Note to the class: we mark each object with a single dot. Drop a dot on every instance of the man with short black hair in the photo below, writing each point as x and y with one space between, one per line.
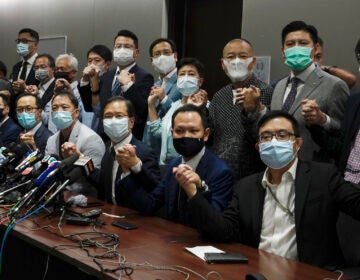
23 73
291 209
28 110
9 130
127 79
196 166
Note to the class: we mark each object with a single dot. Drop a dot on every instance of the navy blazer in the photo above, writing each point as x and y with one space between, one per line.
9 132
41 136
320 192
30 79
138 94
211 169
148 176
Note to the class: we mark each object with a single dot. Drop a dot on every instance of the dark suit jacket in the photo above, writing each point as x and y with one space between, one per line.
320 192
211 169
9 132
339 145
30 79
148 176
86 97
41 136
48 94
137 94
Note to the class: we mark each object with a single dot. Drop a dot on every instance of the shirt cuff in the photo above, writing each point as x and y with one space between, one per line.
83 83
134 169
126 87
164 100
326 125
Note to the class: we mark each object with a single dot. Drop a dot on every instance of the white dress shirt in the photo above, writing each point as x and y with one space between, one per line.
278 234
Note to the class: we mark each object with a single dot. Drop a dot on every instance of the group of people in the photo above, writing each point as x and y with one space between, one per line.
255 164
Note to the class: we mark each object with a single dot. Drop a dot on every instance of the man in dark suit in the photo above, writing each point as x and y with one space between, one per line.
291 209
197 166
28 110
128 79
9 130
125 155
23 73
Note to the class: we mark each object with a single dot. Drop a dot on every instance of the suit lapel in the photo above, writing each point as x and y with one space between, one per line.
312 82
302 184
258 209
74 135
278 95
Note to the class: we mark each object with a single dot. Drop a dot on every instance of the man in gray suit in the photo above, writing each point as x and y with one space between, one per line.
309 94
73 137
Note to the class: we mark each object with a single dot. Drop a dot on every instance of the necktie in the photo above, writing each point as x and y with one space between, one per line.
23 71
116 84
292 95
108 174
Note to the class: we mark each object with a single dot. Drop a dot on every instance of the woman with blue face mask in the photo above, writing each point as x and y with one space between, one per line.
189 80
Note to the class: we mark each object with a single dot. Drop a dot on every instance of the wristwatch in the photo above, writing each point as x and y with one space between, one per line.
203 186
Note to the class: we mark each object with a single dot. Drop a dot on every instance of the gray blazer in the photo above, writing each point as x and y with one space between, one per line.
330 93
90 144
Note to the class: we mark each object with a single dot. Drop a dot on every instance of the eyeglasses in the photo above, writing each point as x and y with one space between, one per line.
24 41
27 109
279 135
125 46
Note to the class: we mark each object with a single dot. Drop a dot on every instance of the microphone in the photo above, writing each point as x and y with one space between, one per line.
30 160
86 163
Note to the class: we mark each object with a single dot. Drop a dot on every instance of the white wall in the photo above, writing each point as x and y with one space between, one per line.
85 22
337 21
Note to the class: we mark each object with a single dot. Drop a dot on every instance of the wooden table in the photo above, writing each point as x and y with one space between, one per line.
157 242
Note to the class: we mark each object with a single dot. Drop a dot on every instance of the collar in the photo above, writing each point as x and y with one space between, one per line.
74 84
169 75
48 83
118 69
290 173
305 73
31 60
126 140
35 128
194 161
4 120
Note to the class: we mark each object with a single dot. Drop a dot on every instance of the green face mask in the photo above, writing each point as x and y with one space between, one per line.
298 58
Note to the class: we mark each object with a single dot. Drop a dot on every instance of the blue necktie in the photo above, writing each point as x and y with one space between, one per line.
116 84
292 95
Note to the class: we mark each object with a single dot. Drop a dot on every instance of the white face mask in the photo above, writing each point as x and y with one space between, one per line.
123 57
100 68
116 129
237 69
187 85
164 63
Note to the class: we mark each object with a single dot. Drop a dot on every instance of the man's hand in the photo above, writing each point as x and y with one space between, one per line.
68 149
153 96
187 179
199 98
126 157
62 84
28 138
311 112
88 72
19 86
248 98
125 78
32 89
159 91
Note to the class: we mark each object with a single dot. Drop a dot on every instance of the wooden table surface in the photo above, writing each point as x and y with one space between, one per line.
156 250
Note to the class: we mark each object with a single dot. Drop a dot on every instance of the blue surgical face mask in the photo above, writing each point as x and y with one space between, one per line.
62 119
298 58
22 49
27 120
116 129
187 85
276 154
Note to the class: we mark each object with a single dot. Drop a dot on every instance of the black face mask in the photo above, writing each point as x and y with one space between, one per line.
64 75
187 146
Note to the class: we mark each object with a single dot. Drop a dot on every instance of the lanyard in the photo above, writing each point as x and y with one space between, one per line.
282 207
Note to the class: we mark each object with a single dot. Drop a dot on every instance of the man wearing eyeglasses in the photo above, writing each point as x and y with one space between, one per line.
28 111
127 79
9 130
291 209
23 73
125 155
